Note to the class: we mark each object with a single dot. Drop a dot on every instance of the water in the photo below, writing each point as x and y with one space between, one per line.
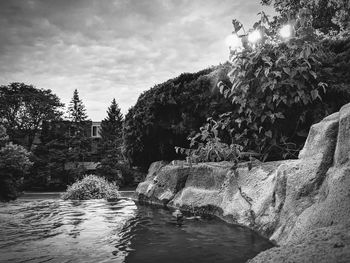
43 228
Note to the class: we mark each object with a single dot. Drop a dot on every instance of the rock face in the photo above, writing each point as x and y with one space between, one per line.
303 205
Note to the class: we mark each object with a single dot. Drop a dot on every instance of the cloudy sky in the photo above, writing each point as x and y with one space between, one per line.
113 48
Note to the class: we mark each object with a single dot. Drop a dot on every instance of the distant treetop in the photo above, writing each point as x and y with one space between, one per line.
76 109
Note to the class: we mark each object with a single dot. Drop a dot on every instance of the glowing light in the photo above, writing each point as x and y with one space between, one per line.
254 36
234 42
286 31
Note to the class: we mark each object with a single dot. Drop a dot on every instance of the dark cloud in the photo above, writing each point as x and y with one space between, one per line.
117 48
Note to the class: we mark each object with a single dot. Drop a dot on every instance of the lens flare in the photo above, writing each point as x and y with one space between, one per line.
234 42
254 36
286 31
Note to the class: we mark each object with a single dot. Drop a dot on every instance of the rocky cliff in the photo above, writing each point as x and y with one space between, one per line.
303 205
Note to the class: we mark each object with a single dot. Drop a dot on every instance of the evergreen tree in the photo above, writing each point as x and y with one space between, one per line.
110 144
112 125
76 109
79 143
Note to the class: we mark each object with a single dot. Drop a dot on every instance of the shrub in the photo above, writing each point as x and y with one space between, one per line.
206 146
277 89
91 187
14 164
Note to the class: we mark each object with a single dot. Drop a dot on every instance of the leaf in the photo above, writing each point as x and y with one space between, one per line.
221 86
315 94
257 72
266 72
280 115
268 134
286 70
277 73
323 85
313 73
236 25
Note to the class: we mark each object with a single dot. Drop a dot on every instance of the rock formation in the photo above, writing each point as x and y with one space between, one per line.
302 205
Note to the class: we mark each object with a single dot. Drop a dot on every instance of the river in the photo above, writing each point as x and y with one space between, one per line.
44 228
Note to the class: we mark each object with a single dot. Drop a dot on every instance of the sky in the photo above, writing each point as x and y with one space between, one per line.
113 48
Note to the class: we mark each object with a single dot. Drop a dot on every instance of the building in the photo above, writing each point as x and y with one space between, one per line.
96 129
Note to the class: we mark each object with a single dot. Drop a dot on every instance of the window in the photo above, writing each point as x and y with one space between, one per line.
94 131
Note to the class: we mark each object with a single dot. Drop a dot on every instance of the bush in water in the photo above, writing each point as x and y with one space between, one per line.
91 187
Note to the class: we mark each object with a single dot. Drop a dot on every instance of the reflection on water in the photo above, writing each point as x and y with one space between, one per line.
53 230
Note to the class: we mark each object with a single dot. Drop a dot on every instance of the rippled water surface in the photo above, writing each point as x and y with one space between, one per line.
43 228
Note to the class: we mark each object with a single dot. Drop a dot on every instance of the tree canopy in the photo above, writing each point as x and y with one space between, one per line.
329 16
24 108
166 114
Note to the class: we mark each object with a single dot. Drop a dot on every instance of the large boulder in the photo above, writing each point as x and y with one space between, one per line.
321 245
162 183
293 202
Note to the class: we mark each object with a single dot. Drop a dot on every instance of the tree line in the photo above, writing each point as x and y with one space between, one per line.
37 141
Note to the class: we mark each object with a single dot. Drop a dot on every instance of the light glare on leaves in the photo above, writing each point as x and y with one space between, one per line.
234 42
254 36
286 31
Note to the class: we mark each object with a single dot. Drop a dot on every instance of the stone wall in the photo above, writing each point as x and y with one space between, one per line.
303 205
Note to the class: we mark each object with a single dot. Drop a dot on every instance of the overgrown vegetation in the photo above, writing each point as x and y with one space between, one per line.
280 87
164 115
206 146
91 187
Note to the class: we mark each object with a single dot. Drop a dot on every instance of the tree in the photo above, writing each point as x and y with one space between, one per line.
14 164
76 109
78 141
111 143
112 125
329 16
23 109
165 115
280 87
50 157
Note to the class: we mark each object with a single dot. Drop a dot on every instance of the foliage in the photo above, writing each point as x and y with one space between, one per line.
91 187
110 145
164 115
77 139
3 136
277 90
14 164
206 146
112 125
109 168
76 109
329 16
49 157
23 109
